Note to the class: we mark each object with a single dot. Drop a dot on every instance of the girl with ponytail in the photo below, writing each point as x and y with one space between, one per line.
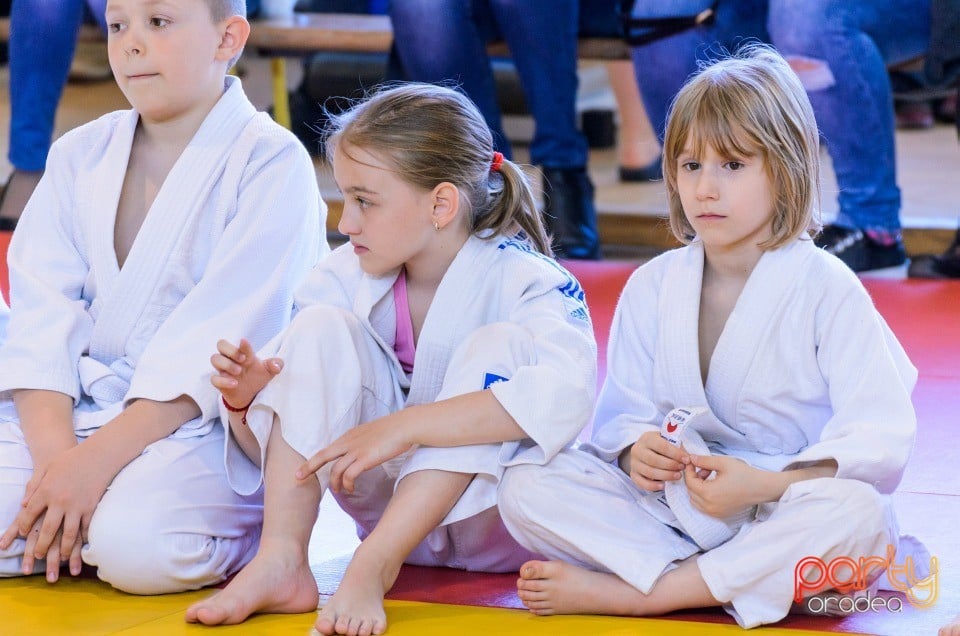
439 346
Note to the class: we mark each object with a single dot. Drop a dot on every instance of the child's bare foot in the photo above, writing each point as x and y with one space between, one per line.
275 581
555 587
356 608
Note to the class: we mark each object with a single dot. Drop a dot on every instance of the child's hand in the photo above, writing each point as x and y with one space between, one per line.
56 510
654 460
359 449
54 557
735 487
240 373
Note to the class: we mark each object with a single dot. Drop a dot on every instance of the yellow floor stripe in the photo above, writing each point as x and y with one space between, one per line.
86 607
79 606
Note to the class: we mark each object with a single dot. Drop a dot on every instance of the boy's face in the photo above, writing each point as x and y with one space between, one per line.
165 55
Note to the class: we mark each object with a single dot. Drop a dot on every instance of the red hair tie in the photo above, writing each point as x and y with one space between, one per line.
497 161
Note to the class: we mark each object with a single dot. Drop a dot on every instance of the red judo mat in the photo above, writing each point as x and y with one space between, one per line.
925 315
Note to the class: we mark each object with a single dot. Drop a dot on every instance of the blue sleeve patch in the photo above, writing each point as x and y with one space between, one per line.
489 379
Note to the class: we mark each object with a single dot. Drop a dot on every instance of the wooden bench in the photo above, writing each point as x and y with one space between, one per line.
304 33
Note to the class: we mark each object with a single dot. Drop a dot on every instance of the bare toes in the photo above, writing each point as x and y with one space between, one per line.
532 570
532 596
325 625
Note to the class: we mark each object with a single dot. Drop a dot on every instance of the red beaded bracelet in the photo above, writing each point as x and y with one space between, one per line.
234 409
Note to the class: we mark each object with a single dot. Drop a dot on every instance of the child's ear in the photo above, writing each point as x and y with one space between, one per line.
235 30
446 204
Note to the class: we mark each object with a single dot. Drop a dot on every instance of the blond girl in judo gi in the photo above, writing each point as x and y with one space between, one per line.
437 347
758 343
154 231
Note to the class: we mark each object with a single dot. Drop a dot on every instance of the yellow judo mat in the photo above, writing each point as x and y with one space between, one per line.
85 607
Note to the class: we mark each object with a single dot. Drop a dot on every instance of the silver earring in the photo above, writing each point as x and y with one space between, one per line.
436 225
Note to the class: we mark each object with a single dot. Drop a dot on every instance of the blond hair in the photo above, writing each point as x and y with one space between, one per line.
748 104
432 134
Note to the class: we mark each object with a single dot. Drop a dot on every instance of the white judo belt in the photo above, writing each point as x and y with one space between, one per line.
672 506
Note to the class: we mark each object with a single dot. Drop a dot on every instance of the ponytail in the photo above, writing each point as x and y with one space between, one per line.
513 208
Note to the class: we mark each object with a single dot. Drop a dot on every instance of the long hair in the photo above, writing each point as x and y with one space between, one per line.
749 104
432 134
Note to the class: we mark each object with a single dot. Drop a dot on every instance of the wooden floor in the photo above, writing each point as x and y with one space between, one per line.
630 214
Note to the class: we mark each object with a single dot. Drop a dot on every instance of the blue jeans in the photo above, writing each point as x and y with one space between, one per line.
42 39
445 40
856 39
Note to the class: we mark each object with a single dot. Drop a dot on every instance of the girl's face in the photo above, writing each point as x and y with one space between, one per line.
727 200
389 222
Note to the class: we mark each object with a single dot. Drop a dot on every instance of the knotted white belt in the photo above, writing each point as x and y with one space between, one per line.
672 506
101 382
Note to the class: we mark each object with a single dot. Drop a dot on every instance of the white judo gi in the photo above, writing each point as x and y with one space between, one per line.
503 317
804 370
233 231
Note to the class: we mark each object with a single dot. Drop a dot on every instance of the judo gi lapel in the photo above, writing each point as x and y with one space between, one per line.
98 195
444 326
679 311
374 304
678 351
770 283
184 193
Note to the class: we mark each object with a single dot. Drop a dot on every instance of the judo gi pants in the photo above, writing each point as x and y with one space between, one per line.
168 522
335 377
585 511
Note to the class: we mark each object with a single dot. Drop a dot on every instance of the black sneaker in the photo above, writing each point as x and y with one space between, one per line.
860 252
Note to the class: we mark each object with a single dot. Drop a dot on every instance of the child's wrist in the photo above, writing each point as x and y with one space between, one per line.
241 411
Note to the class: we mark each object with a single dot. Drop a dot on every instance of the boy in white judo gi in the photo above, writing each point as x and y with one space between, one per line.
437 347
756 341
153 232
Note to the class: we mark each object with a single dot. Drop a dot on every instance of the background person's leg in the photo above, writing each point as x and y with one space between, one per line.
841 51
43 36
547 67
445 41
